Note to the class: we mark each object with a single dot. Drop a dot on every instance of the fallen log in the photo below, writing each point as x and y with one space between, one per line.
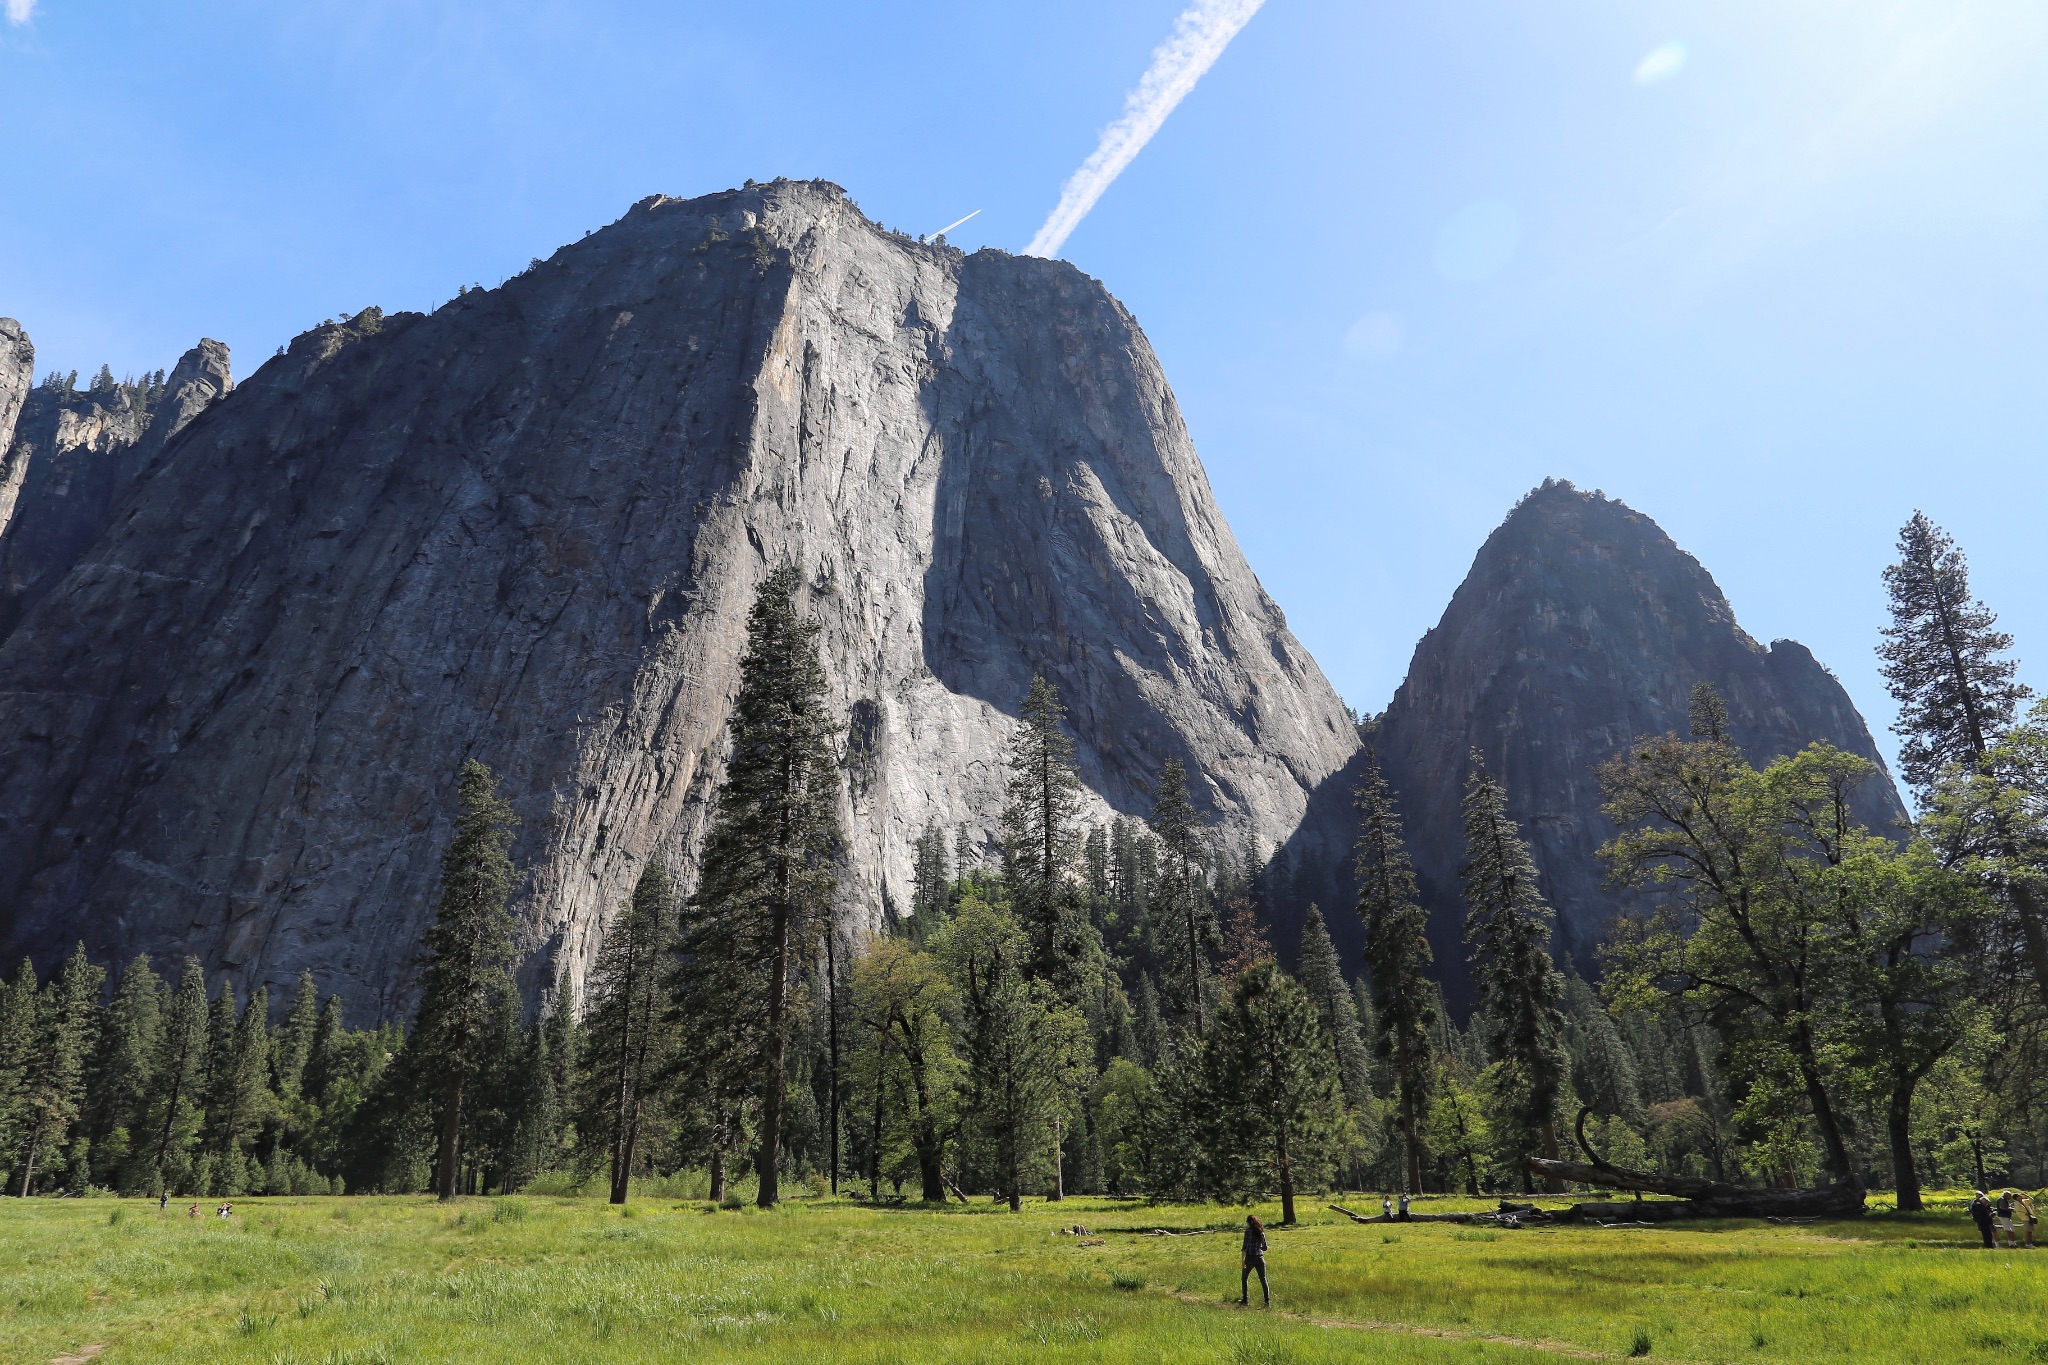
1694 1196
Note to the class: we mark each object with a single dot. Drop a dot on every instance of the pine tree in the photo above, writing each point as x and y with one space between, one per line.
1041 844
1322 976
1026 1050
1607 1069
930 882
1185 923
124 1074
1274 1106
237 1099
17 1048
1941 658
177 1105
1397 954
324 1059
468 947
295 1041
1148 1025
627 1035
1508 924
768 876
65 1035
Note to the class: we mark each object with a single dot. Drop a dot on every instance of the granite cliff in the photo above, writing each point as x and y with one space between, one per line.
527 528
72 455
1581 626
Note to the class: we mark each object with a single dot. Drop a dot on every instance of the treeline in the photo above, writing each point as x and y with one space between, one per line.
1097 1007
162 1088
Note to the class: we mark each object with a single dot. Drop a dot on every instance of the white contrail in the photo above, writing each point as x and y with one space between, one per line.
1199 36
955 223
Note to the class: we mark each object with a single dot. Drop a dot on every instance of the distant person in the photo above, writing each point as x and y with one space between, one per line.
1387 1207
1254 1258
2026 1205
1404 1206
163 1201
2002 1211
193 1212
1980 1214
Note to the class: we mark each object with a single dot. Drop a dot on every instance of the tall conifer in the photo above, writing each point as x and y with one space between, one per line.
1397 954
65 1035
1041 845
1508 924
1184 922
626 1031
177 1105
468 946
768 875
1322 976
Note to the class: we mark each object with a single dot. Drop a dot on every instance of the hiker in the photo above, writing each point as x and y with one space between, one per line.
2001 1217
1254 1258
1980 1214
1387 1207
1404 1206
2026 1204
163 1201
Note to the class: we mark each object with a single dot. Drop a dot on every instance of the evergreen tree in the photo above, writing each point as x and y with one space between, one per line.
1323 978
295 1041
17 1049
1397 954
1275 1111
627 1037
1148 1025
178 1102
1606 1070
468 948
1508 924
768 875
324 1058
1026 1051
1941 658
237 1100
930 882
1184 923
1041 844
123 1075
64 1041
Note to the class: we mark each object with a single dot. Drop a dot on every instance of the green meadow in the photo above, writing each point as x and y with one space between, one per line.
532 1278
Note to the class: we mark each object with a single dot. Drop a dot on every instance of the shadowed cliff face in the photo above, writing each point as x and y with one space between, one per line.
73 457
1580 627
528 528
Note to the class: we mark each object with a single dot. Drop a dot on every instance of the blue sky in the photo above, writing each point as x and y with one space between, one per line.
1773 271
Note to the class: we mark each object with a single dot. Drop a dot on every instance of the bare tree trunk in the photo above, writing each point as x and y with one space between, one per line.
718 1170
1550 1151
451 1139
1286 1175
832 1028
771 1080
1899 1123
28 1165
1411 1137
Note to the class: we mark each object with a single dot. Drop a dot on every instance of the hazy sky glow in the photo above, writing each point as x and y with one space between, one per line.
1773 271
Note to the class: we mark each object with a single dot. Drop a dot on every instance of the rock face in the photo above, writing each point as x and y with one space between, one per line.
1580 627
527 529
17 371
72 458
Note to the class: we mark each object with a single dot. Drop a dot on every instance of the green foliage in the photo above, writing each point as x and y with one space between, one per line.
626 1042
767 873
1183 921
1508 925
1398 956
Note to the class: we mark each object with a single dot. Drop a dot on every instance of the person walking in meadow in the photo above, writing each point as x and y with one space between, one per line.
1980 1214
1254 1258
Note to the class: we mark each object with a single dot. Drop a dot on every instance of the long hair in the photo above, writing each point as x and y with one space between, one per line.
1253 1219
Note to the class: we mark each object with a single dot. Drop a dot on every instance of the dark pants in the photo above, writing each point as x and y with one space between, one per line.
1244 1282
1984 1226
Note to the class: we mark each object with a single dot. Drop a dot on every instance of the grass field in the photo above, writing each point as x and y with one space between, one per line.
329 1281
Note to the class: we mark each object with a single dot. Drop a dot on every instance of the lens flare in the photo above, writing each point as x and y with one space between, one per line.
1661 63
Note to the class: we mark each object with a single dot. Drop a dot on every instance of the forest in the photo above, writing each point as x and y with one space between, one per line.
1098 1007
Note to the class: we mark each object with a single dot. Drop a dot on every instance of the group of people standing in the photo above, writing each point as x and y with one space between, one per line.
2001 1220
